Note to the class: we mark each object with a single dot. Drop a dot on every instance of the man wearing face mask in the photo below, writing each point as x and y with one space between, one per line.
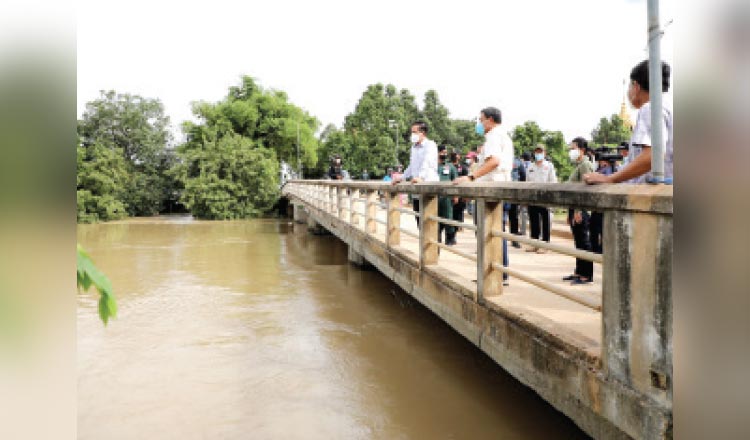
578 219
423 161
639 166
495 159
459 203
540 171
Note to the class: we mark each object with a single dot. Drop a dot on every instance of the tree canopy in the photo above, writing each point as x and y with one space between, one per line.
122 157
610 131
529 134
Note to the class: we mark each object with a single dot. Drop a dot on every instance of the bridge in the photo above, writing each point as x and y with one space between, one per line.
600 353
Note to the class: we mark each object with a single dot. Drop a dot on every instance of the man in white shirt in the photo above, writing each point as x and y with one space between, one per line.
540 171
496 157
495 160
639 166
423 161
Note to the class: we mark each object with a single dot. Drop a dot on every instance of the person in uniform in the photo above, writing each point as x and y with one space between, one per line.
578 219
459 204
518 175
447 173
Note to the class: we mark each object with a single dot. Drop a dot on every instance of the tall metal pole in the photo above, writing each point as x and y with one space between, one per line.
395 153
655 92
299 164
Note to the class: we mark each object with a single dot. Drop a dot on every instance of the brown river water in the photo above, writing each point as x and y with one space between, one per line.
258 330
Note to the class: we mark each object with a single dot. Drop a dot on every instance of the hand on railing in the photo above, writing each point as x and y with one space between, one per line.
461 179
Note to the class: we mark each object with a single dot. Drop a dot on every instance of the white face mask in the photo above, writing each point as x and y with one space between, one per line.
574 154
414 138
467 161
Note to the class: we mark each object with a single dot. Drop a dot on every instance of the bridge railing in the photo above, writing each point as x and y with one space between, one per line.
636 263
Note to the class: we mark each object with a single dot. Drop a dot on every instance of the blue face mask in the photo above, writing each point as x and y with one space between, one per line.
539 156
479 128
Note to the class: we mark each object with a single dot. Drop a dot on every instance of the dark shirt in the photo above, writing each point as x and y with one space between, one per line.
335 172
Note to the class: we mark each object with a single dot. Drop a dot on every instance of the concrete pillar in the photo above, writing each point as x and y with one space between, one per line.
393 237
428 230
340 196
637 302
356 258
489 248
300 215
332 198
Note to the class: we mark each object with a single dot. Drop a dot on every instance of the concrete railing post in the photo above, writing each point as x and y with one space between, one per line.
637 302
489 248
371 226
340 196
332 200
393 237
353 214
428 229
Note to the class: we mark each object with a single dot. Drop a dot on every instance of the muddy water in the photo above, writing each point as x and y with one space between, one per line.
257 329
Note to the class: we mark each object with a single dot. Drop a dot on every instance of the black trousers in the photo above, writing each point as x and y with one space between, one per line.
513 218
539 216
458 210
582 241
596 227
450 231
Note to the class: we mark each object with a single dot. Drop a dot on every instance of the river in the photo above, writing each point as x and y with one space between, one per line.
258 329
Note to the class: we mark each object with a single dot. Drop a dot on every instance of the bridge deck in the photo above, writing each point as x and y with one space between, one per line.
580 325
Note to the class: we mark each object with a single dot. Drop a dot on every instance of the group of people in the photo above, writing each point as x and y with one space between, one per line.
494 162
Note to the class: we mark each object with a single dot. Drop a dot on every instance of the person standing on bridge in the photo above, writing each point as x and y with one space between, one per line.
579 219
639 166
447 173
495 159
540 171
423 161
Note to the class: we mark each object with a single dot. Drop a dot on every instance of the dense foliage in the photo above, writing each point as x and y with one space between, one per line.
610 131
122 158
229 165
376 134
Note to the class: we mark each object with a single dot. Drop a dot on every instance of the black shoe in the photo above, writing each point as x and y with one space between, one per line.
571 277
579 281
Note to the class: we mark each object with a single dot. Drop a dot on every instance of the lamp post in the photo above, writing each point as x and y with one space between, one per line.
299 164
394 124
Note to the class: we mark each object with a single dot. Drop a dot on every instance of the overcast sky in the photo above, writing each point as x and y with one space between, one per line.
560 63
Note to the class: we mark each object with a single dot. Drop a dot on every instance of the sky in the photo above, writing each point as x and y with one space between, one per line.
560 63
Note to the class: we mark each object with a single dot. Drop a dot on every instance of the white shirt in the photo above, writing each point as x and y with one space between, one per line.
423 162
544 173
499 145
642 136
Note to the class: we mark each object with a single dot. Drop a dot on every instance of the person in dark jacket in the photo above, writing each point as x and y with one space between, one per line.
518 175
335 171
447 173
463 170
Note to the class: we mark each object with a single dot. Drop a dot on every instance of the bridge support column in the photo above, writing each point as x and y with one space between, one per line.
300 215
637 302
357 258
353 214
315 227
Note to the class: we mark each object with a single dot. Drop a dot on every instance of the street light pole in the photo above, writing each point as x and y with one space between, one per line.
299 164
654 73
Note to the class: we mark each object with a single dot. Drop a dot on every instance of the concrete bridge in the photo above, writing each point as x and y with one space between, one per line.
601 353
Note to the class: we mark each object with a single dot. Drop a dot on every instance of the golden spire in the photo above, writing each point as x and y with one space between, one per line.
624 113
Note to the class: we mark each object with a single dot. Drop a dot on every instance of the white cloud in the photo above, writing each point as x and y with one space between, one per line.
560 63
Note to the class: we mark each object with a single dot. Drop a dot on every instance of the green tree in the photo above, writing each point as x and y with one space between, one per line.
228 177
437 117
610 131
135 128
381 118
101 180
264 116
465 135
